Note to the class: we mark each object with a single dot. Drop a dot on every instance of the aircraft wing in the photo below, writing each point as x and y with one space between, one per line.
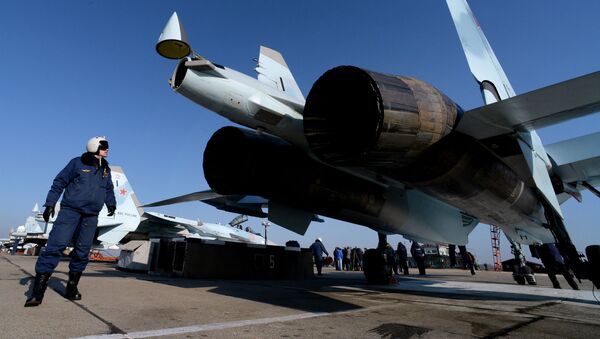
285 216
540 108
196 196
241 204
175 224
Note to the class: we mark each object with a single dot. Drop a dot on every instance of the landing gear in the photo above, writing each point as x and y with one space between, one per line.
521 272
376 265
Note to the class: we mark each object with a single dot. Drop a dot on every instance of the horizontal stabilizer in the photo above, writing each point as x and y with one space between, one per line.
577 159
113 234
540 108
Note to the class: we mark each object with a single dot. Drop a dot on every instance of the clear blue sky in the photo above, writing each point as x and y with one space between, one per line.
74 69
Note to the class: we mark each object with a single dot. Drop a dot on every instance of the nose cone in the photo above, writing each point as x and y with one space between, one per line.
173 41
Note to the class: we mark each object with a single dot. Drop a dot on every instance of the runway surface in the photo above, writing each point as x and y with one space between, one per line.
444 303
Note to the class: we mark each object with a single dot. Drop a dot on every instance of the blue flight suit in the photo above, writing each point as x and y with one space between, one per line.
87 185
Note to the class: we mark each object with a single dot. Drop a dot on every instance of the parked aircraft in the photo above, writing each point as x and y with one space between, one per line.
130 217
392 152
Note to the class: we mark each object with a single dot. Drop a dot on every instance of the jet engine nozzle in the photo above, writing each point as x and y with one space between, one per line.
357 117
173 41
242 162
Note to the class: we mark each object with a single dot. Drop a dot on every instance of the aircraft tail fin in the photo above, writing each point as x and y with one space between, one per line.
128 215
274 72
32 226
482 61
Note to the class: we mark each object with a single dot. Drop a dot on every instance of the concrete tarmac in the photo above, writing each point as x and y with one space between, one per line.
444 303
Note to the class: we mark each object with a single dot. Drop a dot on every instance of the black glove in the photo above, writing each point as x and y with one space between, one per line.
111 210
48 212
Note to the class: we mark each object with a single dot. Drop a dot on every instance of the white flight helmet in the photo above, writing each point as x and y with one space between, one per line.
94 144
320 240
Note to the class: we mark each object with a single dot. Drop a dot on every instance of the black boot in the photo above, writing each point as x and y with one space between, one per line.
39 288
71 291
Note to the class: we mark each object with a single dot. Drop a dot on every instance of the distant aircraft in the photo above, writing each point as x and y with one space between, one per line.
392 152
130 217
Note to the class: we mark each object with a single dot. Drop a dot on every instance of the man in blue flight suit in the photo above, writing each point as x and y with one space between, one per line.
87 186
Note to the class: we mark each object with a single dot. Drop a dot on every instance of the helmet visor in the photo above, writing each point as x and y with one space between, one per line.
103 145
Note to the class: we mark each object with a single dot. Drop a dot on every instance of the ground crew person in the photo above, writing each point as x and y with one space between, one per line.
468 261
390 259
402 257
318 249
417 252
554 263
87 185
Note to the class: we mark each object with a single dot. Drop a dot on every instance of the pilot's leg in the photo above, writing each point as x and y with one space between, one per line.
84 237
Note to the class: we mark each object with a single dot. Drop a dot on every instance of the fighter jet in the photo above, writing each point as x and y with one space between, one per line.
131 217
393 152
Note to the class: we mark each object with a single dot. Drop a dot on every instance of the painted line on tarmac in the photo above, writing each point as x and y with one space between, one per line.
227 325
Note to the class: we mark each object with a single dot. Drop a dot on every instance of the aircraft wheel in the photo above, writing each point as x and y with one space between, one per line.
375 268
592 253
519 279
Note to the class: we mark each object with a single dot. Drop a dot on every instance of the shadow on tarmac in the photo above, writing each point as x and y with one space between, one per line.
304 295
300 295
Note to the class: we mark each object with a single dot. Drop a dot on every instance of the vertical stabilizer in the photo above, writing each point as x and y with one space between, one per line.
128 215
32 226
481 58
274 72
